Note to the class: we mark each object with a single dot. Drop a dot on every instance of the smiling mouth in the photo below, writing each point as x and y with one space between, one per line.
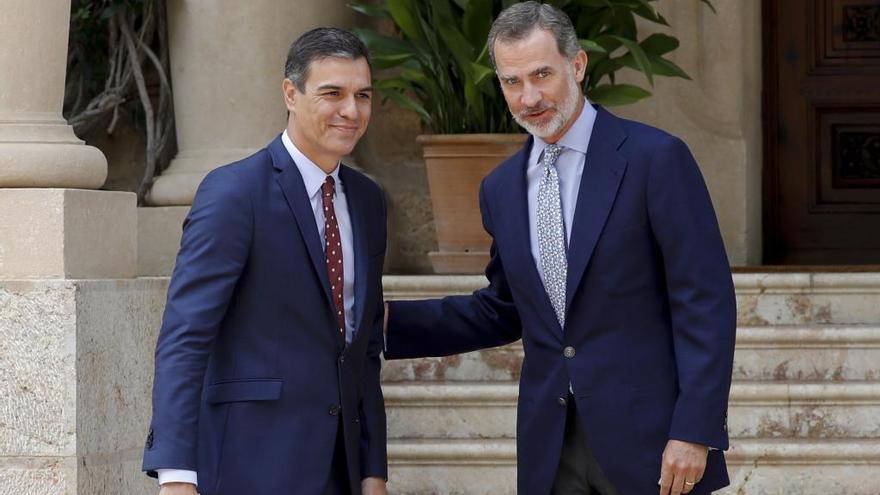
537 115
345 129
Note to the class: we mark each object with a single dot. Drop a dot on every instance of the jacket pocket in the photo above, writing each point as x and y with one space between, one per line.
244 390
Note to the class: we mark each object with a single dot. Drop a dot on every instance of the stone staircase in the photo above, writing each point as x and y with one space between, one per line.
804 413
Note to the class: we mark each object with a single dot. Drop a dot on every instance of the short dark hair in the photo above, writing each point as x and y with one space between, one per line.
318 44
521 19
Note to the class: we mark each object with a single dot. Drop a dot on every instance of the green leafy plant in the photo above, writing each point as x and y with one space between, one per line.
442 67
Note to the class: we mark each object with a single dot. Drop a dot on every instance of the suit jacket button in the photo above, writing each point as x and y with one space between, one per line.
334 410
342 358
562 401
568 352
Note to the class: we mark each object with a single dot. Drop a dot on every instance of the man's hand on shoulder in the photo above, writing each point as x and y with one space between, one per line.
178 489
682 467
373 486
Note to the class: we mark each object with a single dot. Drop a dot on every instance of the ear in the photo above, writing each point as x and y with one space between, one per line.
290 93
580 65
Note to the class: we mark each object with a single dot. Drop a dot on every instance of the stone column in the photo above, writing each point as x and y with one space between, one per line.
68 335
718 113
37 147
227 64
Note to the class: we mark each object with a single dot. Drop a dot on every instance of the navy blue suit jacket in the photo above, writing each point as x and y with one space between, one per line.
650 312
250 367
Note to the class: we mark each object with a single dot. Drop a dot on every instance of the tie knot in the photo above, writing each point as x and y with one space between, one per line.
327 187
551 153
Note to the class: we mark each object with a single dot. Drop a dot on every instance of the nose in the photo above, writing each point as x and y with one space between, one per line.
531 95
349 108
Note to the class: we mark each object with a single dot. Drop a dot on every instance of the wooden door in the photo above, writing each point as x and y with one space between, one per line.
822 131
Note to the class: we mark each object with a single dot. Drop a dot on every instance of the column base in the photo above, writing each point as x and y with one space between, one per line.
67 234
34 164
159 231
177 185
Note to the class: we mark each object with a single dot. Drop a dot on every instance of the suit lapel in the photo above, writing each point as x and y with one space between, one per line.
297 198
515 194
359 245
603 172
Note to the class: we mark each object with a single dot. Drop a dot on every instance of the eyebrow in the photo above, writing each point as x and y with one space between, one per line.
545 68
325 87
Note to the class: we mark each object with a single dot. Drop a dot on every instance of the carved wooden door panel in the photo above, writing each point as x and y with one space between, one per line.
822 131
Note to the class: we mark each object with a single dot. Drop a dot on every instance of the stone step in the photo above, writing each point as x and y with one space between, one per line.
475 410
757 466
762 298
791 352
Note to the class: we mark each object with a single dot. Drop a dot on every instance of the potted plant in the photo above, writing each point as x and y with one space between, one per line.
441 71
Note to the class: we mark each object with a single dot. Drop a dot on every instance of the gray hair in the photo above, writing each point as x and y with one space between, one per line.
521 19
318 44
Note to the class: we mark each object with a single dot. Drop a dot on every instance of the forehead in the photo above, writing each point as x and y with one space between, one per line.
339 71
537 49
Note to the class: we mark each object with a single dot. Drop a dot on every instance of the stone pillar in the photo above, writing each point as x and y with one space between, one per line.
68 335
37 147
227 63
718 113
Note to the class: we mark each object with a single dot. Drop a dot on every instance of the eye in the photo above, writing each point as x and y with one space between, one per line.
543 74
330 93
510 82
364 96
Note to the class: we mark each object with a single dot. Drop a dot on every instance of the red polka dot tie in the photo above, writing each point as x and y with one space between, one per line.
333 251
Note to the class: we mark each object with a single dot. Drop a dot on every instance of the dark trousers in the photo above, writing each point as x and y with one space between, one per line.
338 483
579 472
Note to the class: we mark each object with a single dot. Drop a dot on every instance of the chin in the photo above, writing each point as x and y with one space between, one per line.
343 149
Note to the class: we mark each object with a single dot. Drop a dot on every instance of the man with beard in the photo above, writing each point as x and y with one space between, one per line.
608 262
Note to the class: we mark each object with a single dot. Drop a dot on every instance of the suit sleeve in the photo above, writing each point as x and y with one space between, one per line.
699 285
456 324
214 249
373 448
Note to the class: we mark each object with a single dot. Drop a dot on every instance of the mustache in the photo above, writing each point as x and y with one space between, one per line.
525 112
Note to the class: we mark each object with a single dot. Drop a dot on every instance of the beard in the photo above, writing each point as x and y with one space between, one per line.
561 113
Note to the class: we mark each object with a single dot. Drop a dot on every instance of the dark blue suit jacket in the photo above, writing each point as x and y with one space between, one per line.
250 366
650 312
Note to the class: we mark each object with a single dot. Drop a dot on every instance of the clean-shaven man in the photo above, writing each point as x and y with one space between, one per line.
267 364
608 262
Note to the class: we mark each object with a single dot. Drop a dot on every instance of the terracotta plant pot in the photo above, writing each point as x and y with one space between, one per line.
456 164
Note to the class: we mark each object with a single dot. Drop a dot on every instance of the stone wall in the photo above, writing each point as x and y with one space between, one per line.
76 408
718 113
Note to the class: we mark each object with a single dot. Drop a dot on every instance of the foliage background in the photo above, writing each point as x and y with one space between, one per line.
443 71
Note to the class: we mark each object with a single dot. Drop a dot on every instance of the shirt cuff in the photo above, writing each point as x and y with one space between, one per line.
177 476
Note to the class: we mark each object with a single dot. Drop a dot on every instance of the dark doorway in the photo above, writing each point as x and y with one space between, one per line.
822 132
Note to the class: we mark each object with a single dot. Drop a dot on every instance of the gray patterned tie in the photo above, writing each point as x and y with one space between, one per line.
551 233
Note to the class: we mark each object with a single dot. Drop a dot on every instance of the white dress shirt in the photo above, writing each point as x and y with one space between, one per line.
313 178
569 166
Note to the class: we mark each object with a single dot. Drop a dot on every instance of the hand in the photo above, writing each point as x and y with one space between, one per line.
373 486
178 489
682 462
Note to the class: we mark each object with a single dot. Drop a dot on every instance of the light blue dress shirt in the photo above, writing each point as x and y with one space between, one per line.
569 166
313 179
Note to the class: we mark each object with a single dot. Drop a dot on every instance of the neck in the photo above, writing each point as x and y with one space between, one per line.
571 120
327 163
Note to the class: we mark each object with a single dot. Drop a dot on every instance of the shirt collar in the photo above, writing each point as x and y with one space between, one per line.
313 176
574 138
